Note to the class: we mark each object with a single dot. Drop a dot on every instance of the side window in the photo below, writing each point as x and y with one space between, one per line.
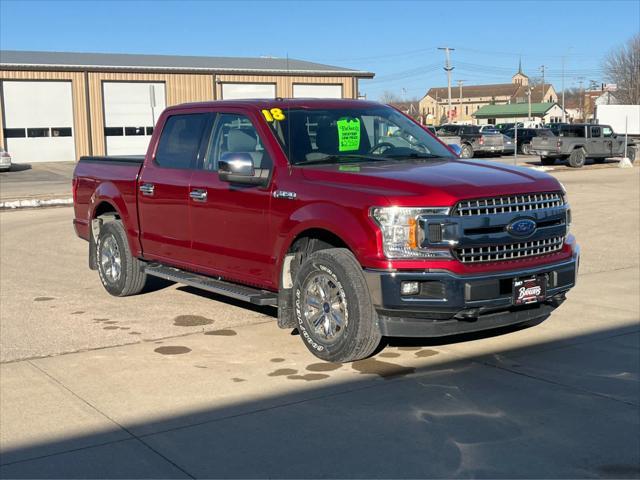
180 140
607 132
595 132
234 133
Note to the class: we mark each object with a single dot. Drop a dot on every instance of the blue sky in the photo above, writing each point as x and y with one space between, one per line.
396 40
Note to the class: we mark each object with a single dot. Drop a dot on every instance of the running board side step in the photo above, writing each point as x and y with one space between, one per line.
221 287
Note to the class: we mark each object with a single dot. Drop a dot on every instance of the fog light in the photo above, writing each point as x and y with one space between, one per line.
409 288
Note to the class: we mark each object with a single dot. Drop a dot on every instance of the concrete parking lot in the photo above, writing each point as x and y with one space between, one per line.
179 383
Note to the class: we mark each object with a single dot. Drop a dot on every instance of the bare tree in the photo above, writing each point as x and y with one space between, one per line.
622 67
389 97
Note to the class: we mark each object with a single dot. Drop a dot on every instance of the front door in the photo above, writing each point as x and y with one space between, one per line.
230 223
163 196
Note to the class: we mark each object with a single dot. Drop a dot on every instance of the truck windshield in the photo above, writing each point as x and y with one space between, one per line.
315 136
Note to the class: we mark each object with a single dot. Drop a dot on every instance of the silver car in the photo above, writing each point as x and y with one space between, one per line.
5 160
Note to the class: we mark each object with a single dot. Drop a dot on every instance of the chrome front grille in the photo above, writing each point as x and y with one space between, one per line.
508 204
509 251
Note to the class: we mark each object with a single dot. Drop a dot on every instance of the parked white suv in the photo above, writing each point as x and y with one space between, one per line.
5 160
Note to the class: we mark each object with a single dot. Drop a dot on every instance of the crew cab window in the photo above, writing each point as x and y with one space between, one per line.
180 140
571 131
595 132
234 133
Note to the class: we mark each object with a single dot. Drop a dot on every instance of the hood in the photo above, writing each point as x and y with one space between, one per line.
436 182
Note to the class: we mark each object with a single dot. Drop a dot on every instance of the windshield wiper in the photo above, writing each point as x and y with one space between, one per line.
414 155
339 158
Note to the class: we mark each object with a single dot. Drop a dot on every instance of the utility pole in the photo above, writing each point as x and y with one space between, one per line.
448 68
460 82
581 82
542 67
529 95
564 116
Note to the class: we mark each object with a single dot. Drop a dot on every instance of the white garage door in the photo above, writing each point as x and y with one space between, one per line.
316 91
38 121
131 110
235 91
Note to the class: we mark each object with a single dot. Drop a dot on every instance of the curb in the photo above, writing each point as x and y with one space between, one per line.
35 203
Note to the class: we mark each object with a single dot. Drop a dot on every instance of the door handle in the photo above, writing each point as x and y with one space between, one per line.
199 195
147 189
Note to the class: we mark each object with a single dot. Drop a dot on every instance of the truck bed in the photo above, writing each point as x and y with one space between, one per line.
115 178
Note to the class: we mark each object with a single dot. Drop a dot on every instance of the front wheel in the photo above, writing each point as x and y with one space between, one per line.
120 272
526 149
333 309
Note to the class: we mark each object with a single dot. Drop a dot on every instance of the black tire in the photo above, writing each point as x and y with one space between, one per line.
632 153
547 160
526 149
359 336
466 151
131 279
577 158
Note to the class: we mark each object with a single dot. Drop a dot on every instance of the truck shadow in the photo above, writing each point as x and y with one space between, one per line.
481 416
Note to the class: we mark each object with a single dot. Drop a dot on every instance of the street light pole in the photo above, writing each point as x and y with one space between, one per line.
460 85
448 68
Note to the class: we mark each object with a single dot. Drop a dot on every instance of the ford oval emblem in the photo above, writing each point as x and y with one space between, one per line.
522 227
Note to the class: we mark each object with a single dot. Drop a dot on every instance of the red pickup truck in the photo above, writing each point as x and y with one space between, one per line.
352 219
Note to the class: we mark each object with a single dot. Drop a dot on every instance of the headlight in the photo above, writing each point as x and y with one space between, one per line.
401 233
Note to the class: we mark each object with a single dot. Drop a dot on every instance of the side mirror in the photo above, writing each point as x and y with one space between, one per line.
238 168
456 148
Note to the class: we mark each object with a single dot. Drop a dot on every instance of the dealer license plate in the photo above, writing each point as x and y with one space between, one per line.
528 290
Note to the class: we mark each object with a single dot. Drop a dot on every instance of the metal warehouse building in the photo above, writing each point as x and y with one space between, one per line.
59 106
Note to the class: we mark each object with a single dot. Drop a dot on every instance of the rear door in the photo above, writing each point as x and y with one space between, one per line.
229 222
163 189
595 145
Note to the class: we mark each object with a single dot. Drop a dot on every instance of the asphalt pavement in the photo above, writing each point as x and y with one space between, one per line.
177 383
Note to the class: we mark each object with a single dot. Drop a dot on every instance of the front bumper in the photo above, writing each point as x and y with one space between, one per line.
451 304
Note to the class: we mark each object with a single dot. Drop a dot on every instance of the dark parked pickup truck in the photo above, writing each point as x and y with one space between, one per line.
304 205
575 143
472 140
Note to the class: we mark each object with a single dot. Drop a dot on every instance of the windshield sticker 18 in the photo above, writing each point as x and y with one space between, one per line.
348 134
273 114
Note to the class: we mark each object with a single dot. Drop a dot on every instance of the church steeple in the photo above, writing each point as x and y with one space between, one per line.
520 78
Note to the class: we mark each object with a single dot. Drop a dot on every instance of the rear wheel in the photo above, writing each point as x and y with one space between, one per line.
466 151
632 153
526 149
120 272
333 310
547 160
577 158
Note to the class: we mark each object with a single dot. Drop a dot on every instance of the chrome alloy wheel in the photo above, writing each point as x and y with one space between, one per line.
110 259
325 307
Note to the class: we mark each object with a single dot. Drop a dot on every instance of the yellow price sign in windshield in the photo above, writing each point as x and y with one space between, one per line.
273 114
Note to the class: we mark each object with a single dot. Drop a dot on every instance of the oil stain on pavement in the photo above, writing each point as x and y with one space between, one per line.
43 299
222 333
191 321
426 353
309 377
282 372
323 367
277 360
384 370
173 350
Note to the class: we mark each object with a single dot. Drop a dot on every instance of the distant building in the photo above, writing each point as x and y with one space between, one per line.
468 99
547 112
410 108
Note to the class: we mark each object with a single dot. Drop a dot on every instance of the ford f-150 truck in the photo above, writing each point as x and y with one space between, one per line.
305 205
